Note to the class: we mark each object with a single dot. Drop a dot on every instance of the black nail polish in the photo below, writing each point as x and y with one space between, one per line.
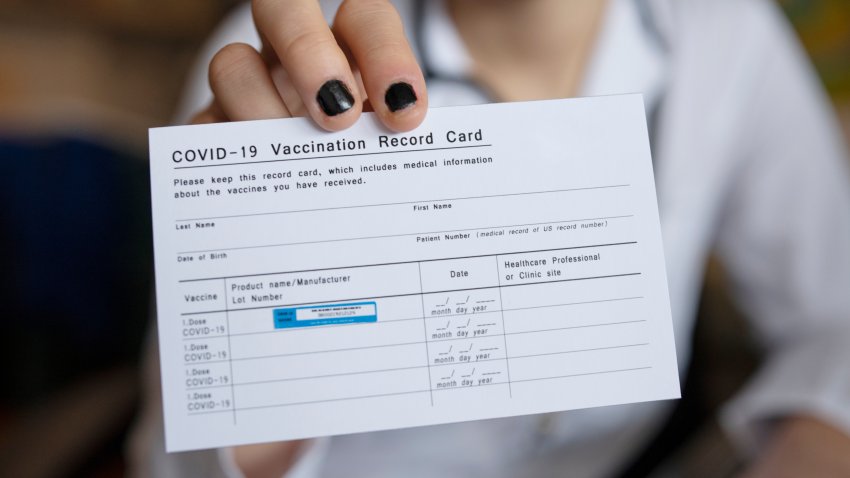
334 98
399 96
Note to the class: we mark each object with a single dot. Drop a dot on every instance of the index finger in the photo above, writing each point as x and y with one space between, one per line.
301 39
373 32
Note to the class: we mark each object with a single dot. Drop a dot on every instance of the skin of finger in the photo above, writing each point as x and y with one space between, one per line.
242 85
803 446
269 459
207 116
307 50
286 90
373 31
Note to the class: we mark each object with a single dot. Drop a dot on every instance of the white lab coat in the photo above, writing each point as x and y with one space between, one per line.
749 163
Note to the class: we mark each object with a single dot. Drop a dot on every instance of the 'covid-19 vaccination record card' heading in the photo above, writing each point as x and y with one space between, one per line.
499 260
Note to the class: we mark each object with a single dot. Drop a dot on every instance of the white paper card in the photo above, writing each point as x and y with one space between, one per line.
500 260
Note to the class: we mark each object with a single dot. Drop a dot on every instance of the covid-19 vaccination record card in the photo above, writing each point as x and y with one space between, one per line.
499 260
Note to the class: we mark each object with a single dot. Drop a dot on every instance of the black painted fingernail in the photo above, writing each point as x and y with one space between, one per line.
334 98
399 96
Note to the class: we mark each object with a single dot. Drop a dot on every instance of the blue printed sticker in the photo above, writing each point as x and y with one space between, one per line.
325 315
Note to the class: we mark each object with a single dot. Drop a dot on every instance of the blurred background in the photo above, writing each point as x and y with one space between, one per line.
80 83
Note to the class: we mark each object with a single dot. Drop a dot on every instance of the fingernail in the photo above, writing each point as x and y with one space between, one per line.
399 96
334 98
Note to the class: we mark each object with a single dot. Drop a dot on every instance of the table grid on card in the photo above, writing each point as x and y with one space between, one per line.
449 340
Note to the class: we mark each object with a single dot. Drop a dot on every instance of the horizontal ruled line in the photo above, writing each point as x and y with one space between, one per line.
384 322
386 236
409 392
331 156
581 374
542 330
404 344
430 366
381 264
401 203
409 294
313 401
